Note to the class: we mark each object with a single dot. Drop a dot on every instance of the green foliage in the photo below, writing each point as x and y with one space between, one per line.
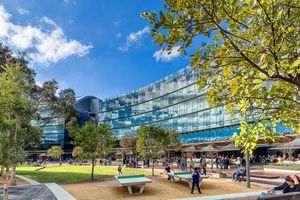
251 65
15 113
151 140
55 152
77 152
286 164
95 141
128 142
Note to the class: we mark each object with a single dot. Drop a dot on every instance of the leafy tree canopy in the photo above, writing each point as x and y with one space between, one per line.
128 142
95 141
55 152
251 66
151 140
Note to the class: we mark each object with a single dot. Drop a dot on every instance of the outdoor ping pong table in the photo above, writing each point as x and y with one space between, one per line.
134 179
186 176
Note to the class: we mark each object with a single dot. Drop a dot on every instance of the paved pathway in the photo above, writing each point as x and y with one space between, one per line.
32 192
37 191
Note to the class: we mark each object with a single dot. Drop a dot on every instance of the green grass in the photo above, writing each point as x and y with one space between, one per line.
287 164
73 174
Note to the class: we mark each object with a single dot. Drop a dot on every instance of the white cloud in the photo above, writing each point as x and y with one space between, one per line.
165 55
43 46
23 11
66 1
118 35
49 21
134 38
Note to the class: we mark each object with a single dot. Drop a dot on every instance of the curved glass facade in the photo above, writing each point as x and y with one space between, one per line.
174 102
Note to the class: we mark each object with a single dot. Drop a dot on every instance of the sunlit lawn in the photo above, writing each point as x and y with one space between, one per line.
73 174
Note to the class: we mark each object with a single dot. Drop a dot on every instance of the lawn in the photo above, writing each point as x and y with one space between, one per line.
73 174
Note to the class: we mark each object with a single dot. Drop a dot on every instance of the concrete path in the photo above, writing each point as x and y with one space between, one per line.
28 180
59 192
225 196
56 190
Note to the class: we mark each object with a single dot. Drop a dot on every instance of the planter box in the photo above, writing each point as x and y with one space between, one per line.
281 170
219 175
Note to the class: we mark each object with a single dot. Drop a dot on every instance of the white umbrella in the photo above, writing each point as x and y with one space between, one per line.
229 147
209 148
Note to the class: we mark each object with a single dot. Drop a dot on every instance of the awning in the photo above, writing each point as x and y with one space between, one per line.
191 149
209 148
295 144
229 147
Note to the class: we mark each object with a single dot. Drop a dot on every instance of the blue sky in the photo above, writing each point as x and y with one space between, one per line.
97 47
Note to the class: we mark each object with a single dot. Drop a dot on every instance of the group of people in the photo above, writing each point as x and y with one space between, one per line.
196 175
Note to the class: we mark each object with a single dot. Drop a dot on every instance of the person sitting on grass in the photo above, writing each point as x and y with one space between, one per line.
238 174
120 170
196 179
168 171
291 184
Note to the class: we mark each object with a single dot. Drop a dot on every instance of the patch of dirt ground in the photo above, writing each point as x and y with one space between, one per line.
159 189
19 181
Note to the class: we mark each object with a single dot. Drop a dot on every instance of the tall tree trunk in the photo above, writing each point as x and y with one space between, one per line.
2 170
248 169
93 165
13 180
153 167
5 186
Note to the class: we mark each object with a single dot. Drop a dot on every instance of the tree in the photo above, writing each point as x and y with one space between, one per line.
55 152
77 153
14 112
152 140
128 142
20 102
251 64
96 141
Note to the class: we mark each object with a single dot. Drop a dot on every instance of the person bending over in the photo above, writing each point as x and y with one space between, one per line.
168 170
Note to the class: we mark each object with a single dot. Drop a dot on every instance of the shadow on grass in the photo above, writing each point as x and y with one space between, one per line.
62 177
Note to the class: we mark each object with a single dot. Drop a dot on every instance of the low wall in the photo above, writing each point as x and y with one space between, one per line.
280 170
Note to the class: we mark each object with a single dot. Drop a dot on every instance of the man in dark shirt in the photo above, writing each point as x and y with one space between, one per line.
291 184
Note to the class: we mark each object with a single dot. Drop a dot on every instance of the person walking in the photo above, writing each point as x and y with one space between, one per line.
203 165
120 170
196 178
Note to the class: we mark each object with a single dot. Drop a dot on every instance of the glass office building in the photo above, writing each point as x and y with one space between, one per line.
54 133
174 102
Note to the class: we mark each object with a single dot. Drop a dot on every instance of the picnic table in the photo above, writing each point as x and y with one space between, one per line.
133 179
187 176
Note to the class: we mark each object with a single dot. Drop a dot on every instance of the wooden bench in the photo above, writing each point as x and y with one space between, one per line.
287 196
